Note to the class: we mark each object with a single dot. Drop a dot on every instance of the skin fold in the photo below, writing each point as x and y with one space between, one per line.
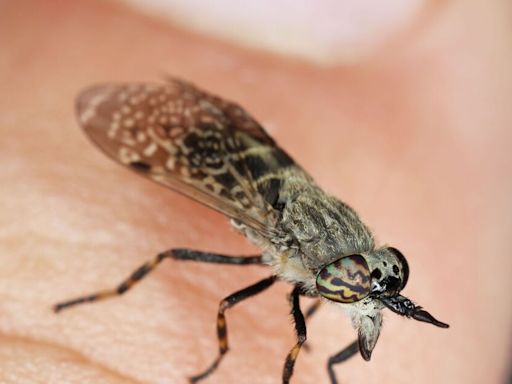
415 138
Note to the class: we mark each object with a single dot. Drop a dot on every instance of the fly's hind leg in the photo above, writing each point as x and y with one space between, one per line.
143 270
222 332
343 355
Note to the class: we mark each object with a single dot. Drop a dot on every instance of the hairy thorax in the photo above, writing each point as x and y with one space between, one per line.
324 229
317 229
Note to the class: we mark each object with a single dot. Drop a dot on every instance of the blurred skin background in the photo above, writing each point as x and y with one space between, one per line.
401 109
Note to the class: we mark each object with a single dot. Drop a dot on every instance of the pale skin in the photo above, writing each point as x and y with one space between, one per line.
415 138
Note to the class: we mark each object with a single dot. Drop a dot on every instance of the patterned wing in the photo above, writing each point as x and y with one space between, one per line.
195 143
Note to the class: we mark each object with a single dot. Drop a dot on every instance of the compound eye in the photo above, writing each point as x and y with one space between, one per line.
404 267
345 280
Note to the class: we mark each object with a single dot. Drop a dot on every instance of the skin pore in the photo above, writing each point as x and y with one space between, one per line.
414 138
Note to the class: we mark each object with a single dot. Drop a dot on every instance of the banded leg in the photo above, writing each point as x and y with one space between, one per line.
300 329
222 332
345 354
143 270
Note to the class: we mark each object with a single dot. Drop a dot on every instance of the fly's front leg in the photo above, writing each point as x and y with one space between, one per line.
312 309
222 332
143 270
300 329
345 354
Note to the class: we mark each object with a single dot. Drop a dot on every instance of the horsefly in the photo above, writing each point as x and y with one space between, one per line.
213 151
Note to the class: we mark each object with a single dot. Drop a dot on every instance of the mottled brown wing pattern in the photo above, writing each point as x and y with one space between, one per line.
193 142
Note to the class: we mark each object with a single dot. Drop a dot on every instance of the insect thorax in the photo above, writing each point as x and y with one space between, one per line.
324 228
316 230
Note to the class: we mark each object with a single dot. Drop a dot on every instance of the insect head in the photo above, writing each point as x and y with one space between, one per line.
350 279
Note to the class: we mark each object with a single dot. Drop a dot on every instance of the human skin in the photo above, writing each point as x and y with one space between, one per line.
415 138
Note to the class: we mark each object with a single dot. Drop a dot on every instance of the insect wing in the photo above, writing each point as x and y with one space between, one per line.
195 143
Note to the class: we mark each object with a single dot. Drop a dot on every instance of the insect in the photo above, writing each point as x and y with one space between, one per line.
213 151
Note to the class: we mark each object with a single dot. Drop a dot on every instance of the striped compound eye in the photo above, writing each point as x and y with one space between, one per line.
345 280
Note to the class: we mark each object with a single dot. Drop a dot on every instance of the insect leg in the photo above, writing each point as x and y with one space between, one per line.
300 329
143 270
222 333
312 309
345 354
